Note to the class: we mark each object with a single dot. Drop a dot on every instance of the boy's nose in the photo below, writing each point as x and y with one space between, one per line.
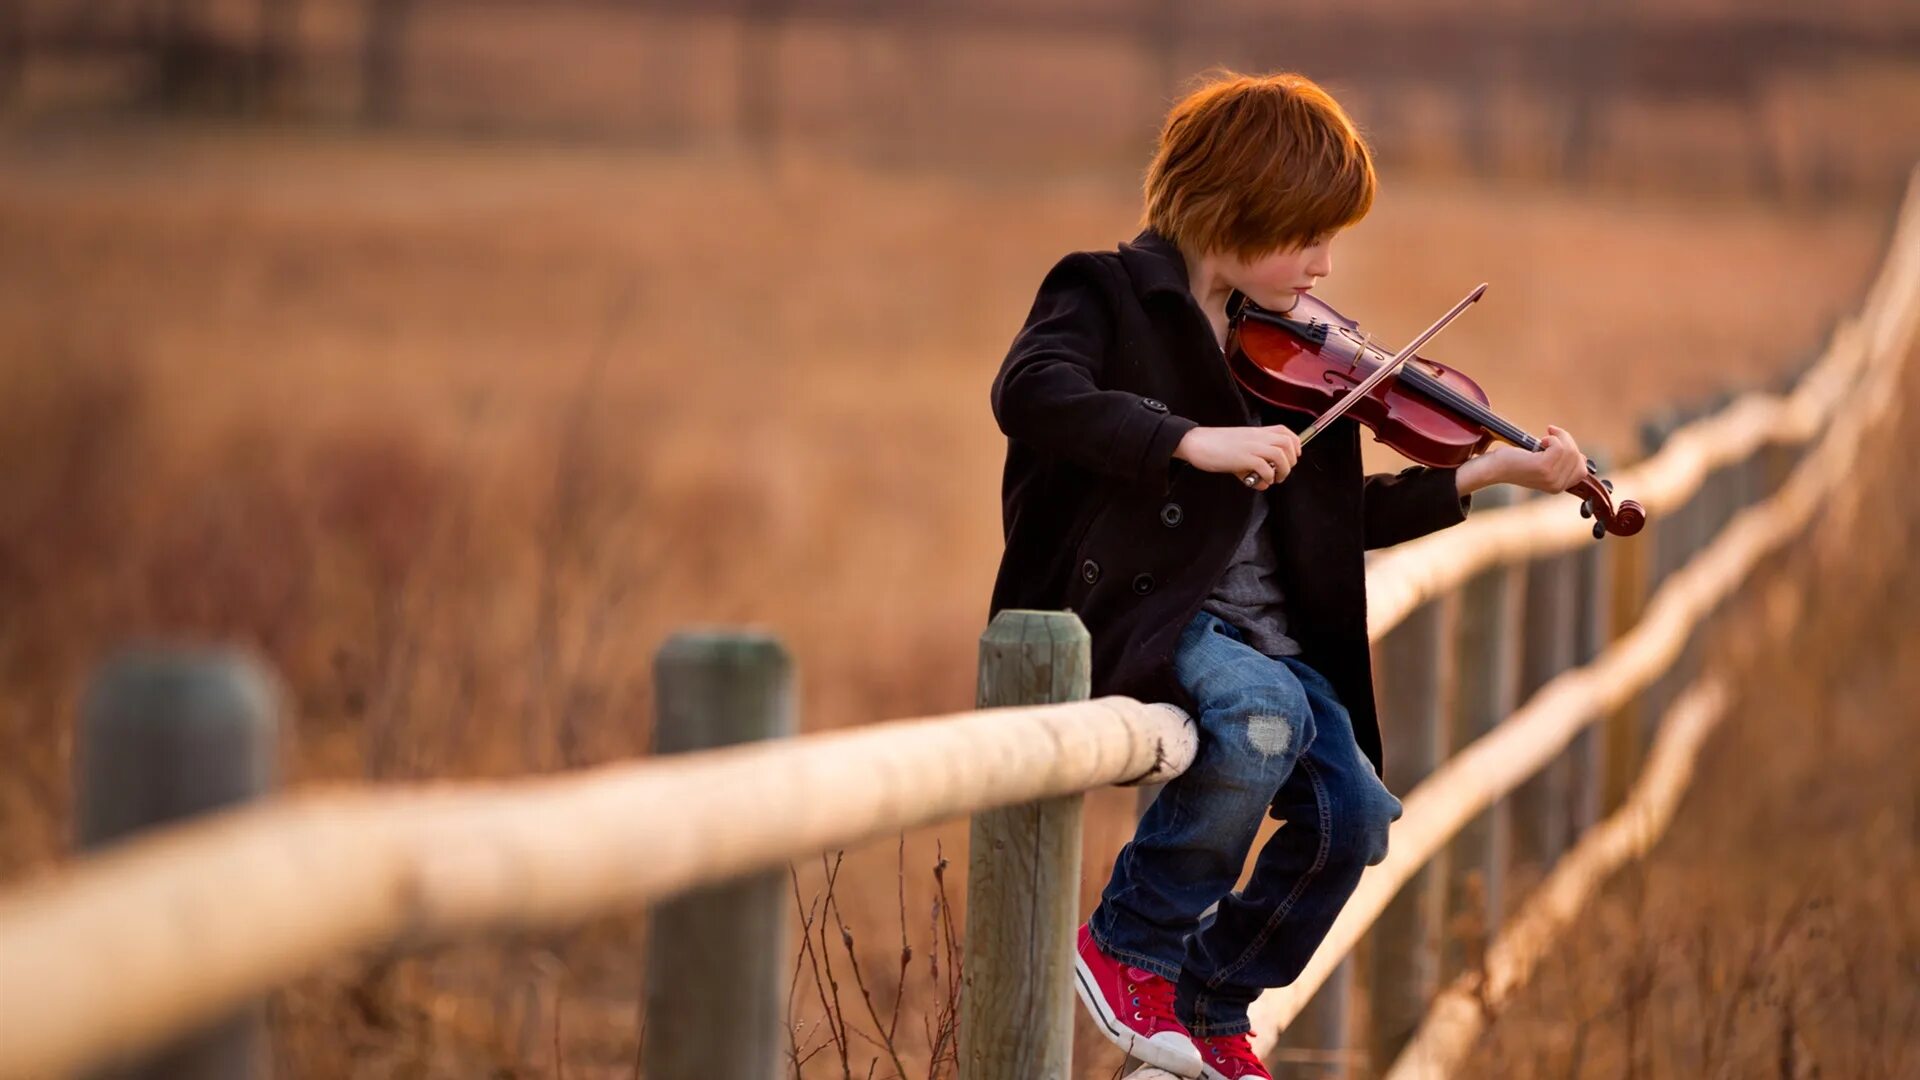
1321 266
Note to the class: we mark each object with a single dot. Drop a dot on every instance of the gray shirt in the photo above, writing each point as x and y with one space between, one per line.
1248 594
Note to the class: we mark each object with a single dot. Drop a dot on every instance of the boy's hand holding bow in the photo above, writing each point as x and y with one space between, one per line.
1260 456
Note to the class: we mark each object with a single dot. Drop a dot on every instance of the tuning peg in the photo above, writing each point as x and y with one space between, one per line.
1599 530
1608 484
1586 508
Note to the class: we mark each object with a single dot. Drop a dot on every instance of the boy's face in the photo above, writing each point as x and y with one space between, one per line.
1277 281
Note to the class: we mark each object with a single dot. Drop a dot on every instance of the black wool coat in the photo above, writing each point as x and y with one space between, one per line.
1115 364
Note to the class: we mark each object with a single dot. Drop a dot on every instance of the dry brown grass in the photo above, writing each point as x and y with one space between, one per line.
456 435
1773 932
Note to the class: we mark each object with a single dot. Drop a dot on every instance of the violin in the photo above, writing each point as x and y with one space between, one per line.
1310 358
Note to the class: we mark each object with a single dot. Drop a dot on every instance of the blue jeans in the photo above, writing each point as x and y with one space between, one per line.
1272 733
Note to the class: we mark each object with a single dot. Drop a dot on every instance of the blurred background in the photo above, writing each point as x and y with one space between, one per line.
452 353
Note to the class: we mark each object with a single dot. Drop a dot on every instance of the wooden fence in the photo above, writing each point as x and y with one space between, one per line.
156 949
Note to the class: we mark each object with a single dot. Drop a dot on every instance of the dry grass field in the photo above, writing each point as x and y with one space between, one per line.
455 434
1773 933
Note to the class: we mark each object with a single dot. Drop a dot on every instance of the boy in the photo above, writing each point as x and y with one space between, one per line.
1217 563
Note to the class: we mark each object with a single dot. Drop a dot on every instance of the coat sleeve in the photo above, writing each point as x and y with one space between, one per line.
1403 506
1050 390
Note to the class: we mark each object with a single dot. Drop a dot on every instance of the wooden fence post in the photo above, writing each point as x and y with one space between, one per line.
758 75
1592 631
1316 1046
1023 872
166 734
1628 568
1412 661
1537 809
1486 651
13 51
276 57
718 957
383 62
1680 536
1637 565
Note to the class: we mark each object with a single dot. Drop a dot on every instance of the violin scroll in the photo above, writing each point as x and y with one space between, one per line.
1596 501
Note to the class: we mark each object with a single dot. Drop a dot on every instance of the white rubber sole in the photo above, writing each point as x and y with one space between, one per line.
1157 1054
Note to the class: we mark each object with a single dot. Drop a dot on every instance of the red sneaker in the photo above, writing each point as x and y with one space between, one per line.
1133 1008
1230 1057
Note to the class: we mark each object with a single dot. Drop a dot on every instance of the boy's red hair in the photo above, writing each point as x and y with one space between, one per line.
1250 164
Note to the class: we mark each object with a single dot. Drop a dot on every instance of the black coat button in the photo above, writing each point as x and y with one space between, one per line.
1171 514
1143 583
1089 571
1155 404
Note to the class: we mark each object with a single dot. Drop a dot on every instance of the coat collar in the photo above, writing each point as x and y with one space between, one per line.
1155 264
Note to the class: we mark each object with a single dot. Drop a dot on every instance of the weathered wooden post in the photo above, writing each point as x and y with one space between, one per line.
1686 534
1537 810
165 734
717 957
1628 568
1592 631
276 55
1486 671
13 51
758 88
1318 1044
1023 872
1668 549
1413 661
383 62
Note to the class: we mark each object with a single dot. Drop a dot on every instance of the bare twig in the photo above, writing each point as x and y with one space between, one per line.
885 1041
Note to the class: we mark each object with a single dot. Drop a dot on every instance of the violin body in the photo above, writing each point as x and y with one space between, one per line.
1294 374
1312 357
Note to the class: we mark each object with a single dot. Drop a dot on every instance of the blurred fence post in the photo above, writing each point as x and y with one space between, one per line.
383 61
1162 42
1592 631
276 56
1639 564
1412 662
1628 568
1486 671
13 50
1023 872
1537 809
1317 1045
167 734
718 957
758 91
1676 539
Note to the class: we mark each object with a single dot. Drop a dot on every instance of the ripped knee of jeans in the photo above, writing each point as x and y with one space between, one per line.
1268 734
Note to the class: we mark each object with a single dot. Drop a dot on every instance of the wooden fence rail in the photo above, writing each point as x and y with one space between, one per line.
1540 729
162 935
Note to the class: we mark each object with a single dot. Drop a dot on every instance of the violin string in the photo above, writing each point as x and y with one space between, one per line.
1425 384
1474 410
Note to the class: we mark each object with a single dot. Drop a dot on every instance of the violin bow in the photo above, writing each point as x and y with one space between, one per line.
1387 370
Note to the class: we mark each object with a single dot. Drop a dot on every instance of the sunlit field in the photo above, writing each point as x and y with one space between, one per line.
456 434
